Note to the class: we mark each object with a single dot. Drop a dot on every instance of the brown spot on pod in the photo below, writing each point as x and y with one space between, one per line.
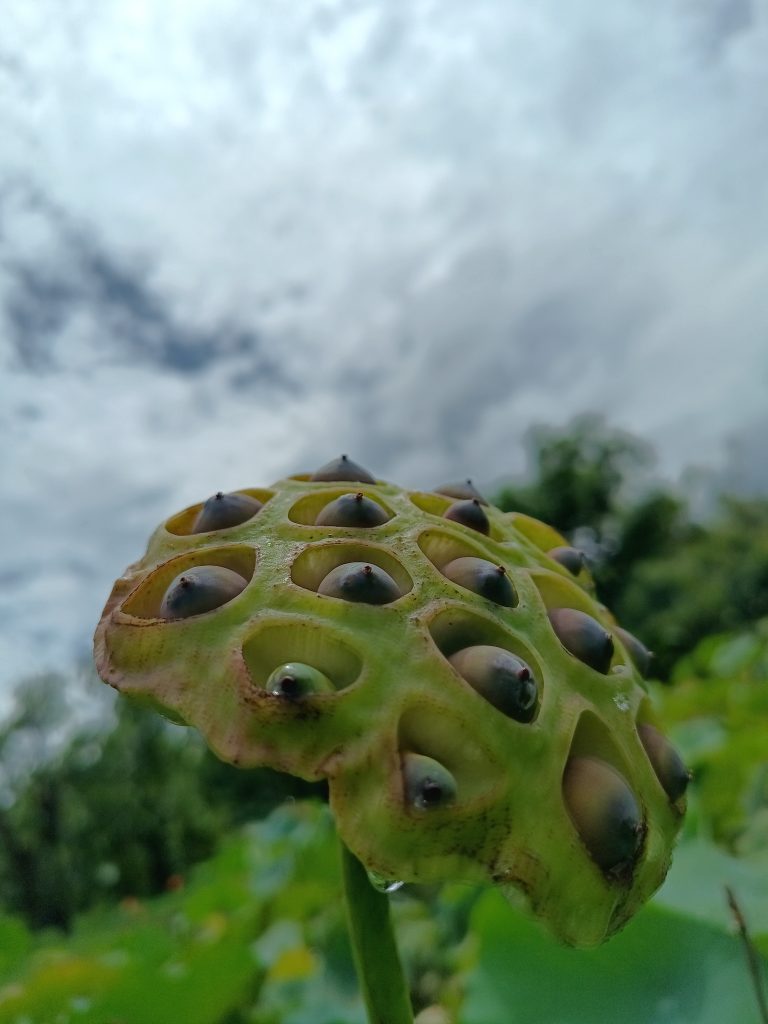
360 582
503 679
224 510
352 510
637 651
666 762
482 577
470 514
570 558
200 589
604 812
343 468
465 490
427 785
583 637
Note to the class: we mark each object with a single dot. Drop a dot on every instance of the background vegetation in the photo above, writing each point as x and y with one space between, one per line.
143 882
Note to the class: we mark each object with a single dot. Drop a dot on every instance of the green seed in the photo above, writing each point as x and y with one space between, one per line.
224 510
343 468
427 785
583 637
469 513
637 651
570 558
482 577
604 811
295 680
352 510
464 489
200 589
503 679
360 582
667 763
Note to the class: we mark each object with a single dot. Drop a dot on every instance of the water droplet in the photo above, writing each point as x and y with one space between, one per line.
622 702
381 884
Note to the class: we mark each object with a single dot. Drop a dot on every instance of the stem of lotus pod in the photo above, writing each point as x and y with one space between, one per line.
379 970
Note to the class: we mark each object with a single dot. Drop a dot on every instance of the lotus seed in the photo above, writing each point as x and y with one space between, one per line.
583 637
200 589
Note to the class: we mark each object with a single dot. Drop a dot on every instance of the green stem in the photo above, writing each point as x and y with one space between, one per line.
373 945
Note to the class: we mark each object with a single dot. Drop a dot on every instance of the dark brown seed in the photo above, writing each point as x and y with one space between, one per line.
503 679
343 468
570 558
470 514
352 510
482 577
200 589
604 811
360 582
427 785
667 763
583 637
224 510
464 489
637 651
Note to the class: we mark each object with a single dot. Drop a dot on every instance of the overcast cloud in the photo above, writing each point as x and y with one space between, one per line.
237 238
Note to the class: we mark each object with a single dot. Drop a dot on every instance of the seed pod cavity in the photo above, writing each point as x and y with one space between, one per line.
360 582
570 558
583 637
604 811
352 510
224 510
666 762
200 589
294 680
427 784
502 678
483 578
469 513
343 468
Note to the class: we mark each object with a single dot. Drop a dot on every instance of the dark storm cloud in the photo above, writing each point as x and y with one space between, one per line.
78 277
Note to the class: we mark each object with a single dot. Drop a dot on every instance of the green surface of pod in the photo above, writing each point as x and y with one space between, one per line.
457 730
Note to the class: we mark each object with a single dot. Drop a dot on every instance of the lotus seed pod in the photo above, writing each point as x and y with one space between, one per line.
343 468
667 763
427 785
570 558
465 490
200 589
483 578
637 651
583 636
358 581
443 762
223 510
470 514
352 510
604 811
294 681
503 679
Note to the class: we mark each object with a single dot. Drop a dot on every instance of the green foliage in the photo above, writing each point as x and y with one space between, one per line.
718 708
258 937
668 579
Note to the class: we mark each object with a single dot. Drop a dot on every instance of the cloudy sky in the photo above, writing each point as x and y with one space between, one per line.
239 237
